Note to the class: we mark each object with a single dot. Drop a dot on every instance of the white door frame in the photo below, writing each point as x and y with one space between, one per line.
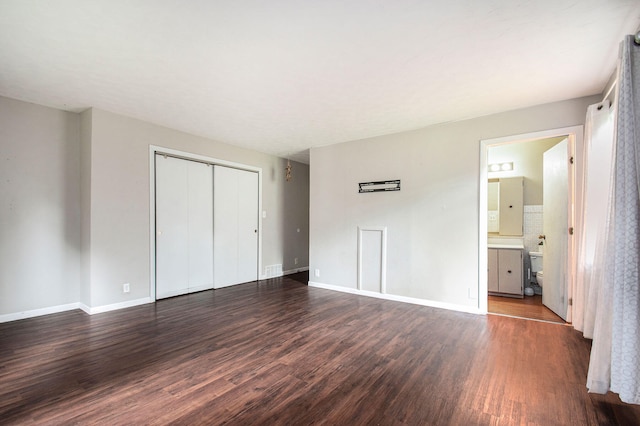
153 150
575 134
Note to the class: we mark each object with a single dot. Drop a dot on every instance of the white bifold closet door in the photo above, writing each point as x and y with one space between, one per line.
184 226
235 224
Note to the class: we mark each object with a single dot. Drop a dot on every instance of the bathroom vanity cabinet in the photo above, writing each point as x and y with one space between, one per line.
505 272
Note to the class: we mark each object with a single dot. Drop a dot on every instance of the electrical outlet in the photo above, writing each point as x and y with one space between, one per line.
317 272
295 261
126 287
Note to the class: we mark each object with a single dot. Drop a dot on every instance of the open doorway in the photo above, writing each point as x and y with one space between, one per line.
519 248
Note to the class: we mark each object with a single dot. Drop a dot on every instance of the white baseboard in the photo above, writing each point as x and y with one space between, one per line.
295 271
71 306
115 306
287 272
39 312
396 298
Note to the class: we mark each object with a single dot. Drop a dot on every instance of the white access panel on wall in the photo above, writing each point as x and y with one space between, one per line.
184 226
372 259
235 225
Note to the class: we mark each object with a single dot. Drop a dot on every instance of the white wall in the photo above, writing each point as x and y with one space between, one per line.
432 222
74 211
39 207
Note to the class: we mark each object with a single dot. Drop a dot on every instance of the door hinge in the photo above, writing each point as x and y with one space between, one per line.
571 230
570 303
571 160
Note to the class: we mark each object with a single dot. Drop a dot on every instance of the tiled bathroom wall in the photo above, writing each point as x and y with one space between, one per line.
532 229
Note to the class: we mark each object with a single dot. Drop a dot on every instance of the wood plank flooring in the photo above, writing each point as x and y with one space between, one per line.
529 307
281 353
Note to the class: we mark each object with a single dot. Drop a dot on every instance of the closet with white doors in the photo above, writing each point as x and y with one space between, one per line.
206 226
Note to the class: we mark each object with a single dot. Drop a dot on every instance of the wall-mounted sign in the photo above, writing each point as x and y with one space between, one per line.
380 186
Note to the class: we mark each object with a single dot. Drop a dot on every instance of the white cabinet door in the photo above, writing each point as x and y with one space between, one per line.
235 226
492 280
184 226
510 271
511 205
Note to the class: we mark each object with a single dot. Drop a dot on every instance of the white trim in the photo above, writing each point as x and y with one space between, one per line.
39 312
115 306
575 134
152 222
153 149
528 319
403 299
383 260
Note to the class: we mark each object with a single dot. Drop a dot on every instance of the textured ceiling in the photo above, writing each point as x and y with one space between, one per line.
282 76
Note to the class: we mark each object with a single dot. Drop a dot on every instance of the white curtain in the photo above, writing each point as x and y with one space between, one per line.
596 187
615 354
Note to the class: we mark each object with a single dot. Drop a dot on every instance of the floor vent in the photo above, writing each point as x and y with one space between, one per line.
273 271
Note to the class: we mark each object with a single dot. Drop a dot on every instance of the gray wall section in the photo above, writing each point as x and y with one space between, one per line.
120 202
85 204
40 242
74 222
432 223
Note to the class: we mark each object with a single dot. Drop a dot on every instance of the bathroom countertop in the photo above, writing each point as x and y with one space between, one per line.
506 246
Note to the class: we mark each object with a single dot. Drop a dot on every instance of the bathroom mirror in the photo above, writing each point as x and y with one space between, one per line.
505 206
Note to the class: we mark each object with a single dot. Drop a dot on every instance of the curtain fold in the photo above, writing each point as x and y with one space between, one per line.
615 355
596 187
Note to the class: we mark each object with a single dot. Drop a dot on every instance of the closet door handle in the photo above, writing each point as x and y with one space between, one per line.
509 271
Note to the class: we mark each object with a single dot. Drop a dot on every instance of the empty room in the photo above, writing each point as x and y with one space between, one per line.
299 212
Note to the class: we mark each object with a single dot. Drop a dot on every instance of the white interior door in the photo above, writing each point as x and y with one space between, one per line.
235 226
555 223
172 212
184 226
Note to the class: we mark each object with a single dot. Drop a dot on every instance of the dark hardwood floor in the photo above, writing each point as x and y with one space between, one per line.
279 352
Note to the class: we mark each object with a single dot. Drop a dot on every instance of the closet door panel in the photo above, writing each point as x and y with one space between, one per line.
171 227
225 226
235 226
200 227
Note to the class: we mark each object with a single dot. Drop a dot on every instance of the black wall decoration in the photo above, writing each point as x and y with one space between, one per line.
380 186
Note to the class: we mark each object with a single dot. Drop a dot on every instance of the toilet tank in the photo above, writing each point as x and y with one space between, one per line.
536 261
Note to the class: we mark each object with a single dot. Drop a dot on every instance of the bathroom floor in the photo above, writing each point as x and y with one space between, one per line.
530 307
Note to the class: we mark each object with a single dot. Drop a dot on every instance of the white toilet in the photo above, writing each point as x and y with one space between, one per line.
536 265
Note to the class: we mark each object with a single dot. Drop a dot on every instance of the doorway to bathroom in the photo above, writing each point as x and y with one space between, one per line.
538 222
